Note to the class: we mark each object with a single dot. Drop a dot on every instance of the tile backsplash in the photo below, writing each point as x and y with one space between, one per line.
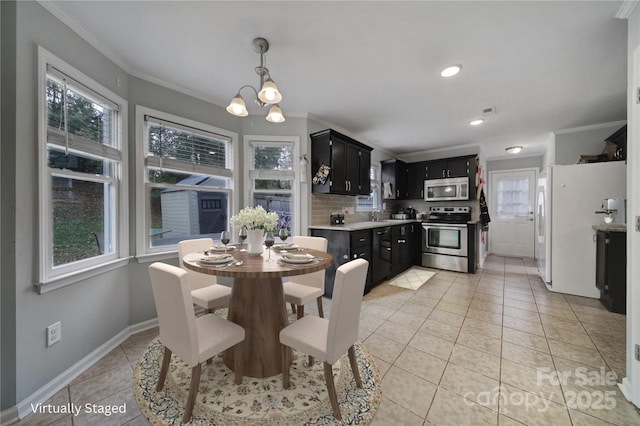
323 205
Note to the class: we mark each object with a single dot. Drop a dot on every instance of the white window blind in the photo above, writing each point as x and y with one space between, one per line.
179 147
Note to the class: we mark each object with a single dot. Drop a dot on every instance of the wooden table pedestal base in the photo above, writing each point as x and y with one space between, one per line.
258 306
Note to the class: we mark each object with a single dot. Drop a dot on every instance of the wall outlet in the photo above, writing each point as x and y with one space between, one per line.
637 352
637 223
54 333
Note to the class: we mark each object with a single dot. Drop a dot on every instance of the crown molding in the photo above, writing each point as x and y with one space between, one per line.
626 8
590 127
76 27
82 32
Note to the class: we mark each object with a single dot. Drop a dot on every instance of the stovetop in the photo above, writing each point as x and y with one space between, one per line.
444 214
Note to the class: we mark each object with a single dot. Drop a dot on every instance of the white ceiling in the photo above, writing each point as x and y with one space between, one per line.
373 67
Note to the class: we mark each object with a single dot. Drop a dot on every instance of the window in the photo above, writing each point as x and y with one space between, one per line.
272 175
372 202
185 174
82 161
513 197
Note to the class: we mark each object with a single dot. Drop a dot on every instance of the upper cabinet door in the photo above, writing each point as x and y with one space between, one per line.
339 166
437 169
365 172
417 174
458 167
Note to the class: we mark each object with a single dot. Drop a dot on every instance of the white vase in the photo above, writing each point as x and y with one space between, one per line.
255 238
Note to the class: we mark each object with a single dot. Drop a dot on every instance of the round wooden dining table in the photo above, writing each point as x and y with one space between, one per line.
257 303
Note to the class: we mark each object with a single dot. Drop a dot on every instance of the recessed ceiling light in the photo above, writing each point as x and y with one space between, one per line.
451 70
477 122
513 149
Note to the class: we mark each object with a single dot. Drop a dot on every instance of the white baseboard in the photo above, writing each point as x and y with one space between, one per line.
625 388
23 408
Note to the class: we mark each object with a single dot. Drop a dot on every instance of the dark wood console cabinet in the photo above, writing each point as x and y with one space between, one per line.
611 270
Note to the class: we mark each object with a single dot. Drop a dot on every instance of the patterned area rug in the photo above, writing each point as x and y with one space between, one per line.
413 278
257 401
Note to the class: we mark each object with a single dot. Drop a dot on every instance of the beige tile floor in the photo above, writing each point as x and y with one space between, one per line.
462 349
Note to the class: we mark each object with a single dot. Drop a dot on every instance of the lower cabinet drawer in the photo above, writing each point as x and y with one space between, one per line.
360 239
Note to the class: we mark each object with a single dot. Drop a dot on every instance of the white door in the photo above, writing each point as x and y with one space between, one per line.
512 204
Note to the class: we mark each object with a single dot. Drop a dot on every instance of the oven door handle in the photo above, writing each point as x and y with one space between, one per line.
455 226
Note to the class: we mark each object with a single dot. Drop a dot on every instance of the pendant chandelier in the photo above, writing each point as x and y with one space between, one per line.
268 94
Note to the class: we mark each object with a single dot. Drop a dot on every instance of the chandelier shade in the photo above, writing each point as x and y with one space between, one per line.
237 107
275 115
268 94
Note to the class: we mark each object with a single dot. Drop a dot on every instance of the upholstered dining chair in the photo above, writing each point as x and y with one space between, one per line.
194 340
302 289
205 291
329 339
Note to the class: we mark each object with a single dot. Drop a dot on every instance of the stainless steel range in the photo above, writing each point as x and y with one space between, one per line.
445 238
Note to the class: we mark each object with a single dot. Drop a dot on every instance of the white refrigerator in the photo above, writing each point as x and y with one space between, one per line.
570 196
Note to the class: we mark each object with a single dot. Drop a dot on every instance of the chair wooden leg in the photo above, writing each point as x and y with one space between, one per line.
193 393
300 311
293 308
285 367
311 361
166 359
237 363
320 310
354 366
331 389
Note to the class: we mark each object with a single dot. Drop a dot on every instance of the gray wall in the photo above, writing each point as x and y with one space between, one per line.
589 141
7 206
93 311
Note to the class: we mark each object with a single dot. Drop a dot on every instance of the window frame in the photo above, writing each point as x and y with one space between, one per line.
50 276
144 251
375 187
294 174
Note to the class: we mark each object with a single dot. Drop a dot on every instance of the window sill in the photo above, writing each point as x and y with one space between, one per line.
155 257
78 276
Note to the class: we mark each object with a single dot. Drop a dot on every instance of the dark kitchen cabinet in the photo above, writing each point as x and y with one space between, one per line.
381 254
401 248
437 169
416 243
349 162
452 167
417 173
394 177
611 270
345 246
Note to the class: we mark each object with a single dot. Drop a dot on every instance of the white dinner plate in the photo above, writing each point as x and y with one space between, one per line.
216 259
220 249
285 246
297 258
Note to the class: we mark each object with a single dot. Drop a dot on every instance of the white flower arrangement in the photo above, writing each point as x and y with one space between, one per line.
255 218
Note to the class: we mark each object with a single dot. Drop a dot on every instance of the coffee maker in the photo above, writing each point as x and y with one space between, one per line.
615 210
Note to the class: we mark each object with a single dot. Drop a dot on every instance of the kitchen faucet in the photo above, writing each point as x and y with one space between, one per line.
374 215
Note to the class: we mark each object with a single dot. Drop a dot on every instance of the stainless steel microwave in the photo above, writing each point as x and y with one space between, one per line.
446 189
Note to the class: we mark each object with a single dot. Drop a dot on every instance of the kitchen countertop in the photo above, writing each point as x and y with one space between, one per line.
610 227
357 226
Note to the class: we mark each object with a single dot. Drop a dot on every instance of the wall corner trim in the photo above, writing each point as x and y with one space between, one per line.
626 8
